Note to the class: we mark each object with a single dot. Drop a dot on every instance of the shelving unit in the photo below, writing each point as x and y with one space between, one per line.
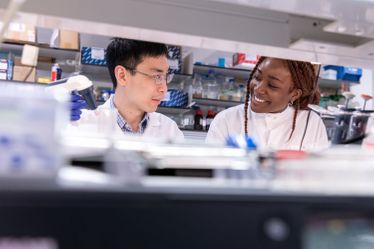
194 134
22 82
100 76
44 51
216 102
326 83
238 73
48 55
172 110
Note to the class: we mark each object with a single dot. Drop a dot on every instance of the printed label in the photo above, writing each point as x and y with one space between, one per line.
98 53
167 97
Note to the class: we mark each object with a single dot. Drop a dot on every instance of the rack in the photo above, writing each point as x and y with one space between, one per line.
172 110
216 102
238 73
22 82
326 83
44 51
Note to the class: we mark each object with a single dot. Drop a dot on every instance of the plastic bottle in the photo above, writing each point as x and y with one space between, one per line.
188 120
209 118
197 87
225 89
231 89
241 92
199 120
56 72
211 88
10 62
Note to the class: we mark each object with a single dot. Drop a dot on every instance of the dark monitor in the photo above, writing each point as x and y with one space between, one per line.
68 219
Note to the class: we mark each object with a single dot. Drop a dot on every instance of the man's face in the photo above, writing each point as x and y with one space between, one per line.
141 89
272 87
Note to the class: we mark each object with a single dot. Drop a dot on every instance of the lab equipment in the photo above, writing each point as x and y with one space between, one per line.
79 83
56 72
30 124
77 104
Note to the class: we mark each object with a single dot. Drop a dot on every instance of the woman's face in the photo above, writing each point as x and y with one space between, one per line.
272 87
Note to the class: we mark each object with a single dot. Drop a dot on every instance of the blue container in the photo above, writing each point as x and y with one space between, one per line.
352 74
175 59
93 56
177 98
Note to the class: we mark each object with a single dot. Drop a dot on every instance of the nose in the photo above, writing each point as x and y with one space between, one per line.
163 87
260 87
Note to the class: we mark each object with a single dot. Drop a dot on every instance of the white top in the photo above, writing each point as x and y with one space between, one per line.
103 120
271 130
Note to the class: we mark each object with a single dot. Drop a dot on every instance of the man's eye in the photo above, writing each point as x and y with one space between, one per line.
158 77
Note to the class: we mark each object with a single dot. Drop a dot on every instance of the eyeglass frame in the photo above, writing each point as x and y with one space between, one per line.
167 79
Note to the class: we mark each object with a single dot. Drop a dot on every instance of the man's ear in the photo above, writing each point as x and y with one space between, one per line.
296 94
121 75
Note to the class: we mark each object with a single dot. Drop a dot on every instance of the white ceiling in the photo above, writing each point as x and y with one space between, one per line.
352 16
328 31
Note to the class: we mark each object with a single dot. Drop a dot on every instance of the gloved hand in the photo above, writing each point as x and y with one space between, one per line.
76 104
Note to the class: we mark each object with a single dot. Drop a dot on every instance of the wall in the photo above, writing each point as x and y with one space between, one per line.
366 86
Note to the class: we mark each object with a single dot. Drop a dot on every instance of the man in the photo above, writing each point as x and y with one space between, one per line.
139 72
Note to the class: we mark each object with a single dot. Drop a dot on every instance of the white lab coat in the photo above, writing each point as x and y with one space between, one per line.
271 130
103 121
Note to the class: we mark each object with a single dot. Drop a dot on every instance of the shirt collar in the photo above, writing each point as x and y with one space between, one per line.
273 120
124 125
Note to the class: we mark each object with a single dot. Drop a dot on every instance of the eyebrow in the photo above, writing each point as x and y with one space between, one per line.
270 76
158 70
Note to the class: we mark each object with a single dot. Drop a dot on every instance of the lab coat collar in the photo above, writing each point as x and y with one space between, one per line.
273 120
154 117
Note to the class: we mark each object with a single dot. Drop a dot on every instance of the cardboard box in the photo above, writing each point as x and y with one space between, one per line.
44 36
21 32
3 74
22 72
3 64
245 60
69 39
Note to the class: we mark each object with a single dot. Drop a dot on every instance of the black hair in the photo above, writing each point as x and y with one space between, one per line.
130 53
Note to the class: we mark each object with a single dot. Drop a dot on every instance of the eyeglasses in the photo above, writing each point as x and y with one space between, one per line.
158 78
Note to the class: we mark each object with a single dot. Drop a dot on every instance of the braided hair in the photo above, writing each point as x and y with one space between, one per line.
303 76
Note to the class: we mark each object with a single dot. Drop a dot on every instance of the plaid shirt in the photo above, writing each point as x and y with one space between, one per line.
125 127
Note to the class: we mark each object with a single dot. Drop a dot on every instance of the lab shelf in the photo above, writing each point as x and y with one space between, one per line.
216 102
238 73
172 110
44 51
326 83
22 82
194 134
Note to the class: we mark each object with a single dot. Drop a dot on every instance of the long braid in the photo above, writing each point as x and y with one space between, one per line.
297 107
249 91
304 78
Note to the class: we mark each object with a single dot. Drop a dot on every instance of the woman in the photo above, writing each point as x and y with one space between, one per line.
276 113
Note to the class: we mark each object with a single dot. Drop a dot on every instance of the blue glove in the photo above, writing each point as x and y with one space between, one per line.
241 142
76 104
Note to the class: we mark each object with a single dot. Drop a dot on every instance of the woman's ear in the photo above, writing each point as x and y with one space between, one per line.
121 75
296 94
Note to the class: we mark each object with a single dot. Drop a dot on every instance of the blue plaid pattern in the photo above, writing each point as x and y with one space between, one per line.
125 127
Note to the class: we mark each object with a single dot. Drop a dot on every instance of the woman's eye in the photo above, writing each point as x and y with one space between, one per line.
272 86
257 77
